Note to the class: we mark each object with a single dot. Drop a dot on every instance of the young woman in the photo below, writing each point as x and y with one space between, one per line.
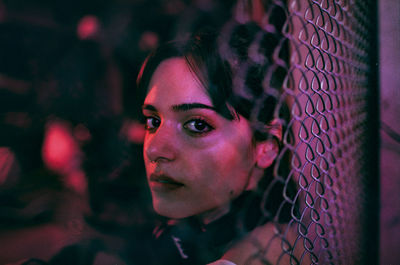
214 161
213 134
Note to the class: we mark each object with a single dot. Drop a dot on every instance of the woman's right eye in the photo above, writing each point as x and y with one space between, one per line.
152 123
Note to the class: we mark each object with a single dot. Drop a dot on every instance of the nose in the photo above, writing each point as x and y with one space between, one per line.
160 146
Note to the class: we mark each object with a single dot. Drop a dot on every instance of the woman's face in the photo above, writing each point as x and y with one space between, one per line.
196 160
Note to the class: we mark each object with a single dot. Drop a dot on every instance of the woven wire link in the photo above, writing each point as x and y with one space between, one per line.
325 88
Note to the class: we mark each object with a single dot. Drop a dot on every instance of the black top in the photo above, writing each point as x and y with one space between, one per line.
175 242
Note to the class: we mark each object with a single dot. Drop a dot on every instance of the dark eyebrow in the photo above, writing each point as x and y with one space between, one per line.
189 106
149 107
180 107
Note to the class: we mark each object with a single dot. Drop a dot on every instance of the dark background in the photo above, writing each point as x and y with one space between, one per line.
70 134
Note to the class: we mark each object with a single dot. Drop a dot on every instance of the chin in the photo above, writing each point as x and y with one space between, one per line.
171 211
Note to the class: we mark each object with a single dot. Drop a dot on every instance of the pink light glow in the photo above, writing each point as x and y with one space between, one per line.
7 158
148 41
76 181
88 26
134 131
60 151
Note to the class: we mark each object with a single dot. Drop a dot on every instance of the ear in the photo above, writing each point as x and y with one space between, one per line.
267 150
265 153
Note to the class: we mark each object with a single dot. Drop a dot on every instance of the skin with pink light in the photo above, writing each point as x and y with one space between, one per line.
196 160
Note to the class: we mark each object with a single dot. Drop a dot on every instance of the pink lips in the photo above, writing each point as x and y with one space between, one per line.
162 182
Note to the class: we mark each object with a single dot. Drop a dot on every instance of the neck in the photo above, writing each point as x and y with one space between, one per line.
214 214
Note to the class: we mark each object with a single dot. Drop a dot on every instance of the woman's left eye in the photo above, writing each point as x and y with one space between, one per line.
198 126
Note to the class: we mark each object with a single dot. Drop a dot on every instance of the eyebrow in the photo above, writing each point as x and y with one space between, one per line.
181 107
189 106
148 107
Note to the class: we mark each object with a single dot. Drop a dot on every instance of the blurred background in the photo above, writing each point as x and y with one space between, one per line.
70 134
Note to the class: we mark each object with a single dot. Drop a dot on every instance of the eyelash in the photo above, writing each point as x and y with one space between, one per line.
193 121
149 125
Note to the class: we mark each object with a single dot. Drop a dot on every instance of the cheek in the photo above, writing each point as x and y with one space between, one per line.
226 169
234 156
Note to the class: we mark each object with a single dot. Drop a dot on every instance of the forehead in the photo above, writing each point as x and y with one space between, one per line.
174 83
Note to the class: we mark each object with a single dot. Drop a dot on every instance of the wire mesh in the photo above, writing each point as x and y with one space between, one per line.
326 87
320 67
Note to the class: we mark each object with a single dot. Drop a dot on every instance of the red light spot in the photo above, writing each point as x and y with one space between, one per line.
7 159
88 26
134 131
76 181
148 41
60 152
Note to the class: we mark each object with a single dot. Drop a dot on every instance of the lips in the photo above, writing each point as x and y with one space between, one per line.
163 182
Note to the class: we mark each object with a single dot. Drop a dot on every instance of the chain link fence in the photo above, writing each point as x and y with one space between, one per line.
329 88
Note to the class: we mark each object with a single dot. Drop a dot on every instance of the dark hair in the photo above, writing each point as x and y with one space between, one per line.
233 70
242 75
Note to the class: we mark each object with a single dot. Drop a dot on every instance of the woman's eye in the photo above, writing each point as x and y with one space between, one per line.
197 126
152 123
